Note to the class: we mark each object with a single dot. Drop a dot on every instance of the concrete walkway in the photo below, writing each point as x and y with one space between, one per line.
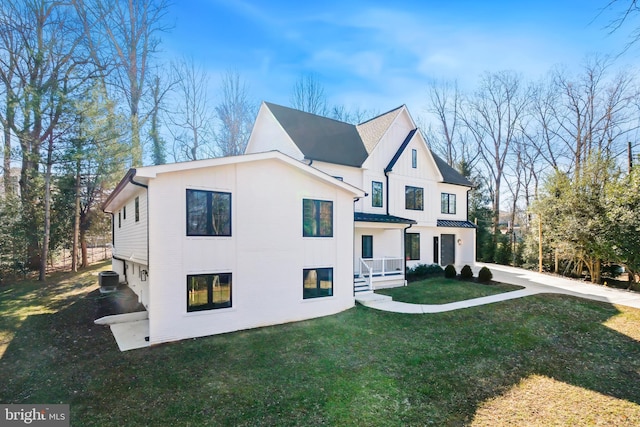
533 283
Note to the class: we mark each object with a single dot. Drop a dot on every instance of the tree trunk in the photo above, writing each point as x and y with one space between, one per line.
47 213
83 245
76 220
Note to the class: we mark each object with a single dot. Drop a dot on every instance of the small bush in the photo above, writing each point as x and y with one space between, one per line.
423 270
466 273
450 271
484 275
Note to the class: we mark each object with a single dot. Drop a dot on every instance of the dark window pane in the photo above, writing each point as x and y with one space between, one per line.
208 291
317 282
196 213
367 246
317 218
197 292
376 194
221 214
414 198
137 208
414 159
412 246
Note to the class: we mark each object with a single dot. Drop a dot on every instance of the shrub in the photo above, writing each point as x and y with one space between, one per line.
485 275
450 271
466 273
423 270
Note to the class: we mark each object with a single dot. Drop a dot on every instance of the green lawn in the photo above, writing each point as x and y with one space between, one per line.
540 360
439 290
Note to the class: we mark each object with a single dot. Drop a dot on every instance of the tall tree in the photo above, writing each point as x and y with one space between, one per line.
159 90
50 66
493 117
127 31
445 103
308 95
235 113
192 116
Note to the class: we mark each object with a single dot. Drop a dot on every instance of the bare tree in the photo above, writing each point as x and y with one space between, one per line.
353 116
444 104
127 32
159 90
308 95
235 112
493 117
594 111
192 117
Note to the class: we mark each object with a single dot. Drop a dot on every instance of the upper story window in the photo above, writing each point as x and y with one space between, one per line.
414 198
124 212
208 213
119 219
414 158
137 208
376 194
317 218
448 203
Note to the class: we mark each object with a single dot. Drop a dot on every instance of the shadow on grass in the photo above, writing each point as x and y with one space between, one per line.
360 367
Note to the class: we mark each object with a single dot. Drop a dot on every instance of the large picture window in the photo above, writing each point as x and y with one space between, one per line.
208 213
412 246
317 218
376 194
317 282
448 203
208 291
414 198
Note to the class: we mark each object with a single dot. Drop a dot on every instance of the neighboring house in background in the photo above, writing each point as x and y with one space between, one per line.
220 245
286 232
416 204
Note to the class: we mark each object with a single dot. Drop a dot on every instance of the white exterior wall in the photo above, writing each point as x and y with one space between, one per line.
266 253
461 201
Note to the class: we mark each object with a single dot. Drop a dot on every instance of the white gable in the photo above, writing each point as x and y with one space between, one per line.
268 135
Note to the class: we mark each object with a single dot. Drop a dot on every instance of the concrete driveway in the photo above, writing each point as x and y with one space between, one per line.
532 282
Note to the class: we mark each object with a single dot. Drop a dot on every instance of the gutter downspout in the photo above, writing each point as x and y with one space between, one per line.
386 174
146 187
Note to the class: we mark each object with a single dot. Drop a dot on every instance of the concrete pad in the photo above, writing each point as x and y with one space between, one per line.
122 318
131 335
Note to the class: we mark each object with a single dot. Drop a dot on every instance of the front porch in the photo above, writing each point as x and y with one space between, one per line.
377 273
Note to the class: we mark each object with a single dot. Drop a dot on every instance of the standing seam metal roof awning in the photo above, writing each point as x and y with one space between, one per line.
457 224
389 219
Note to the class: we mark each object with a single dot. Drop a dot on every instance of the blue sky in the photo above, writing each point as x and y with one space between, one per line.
378 55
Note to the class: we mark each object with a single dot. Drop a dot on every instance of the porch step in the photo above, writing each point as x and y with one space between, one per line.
361 288
368 298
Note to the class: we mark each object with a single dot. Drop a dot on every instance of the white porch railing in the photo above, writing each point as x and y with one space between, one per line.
379 267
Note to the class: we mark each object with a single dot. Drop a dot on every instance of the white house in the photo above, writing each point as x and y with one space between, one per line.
314 212
225 244
415 210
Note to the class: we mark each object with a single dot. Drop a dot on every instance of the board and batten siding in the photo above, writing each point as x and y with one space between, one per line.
265 254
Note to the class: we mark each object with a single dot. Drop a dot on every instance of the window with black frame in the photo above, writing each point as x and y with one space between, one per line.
414 198
317 218
412 246
376 194
208 213
317 282
448 203
208 291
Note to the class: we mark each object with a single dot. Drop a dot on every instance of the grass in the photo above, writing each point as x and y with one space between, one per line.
439 290
543 360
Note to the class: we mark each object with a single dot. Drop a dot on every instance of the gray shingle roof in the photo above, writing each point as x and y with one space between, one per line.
320 138
449 174
457 224
370 217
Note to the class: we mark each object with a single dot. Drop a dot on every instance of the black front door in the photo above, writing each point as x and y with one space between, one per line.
447 249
